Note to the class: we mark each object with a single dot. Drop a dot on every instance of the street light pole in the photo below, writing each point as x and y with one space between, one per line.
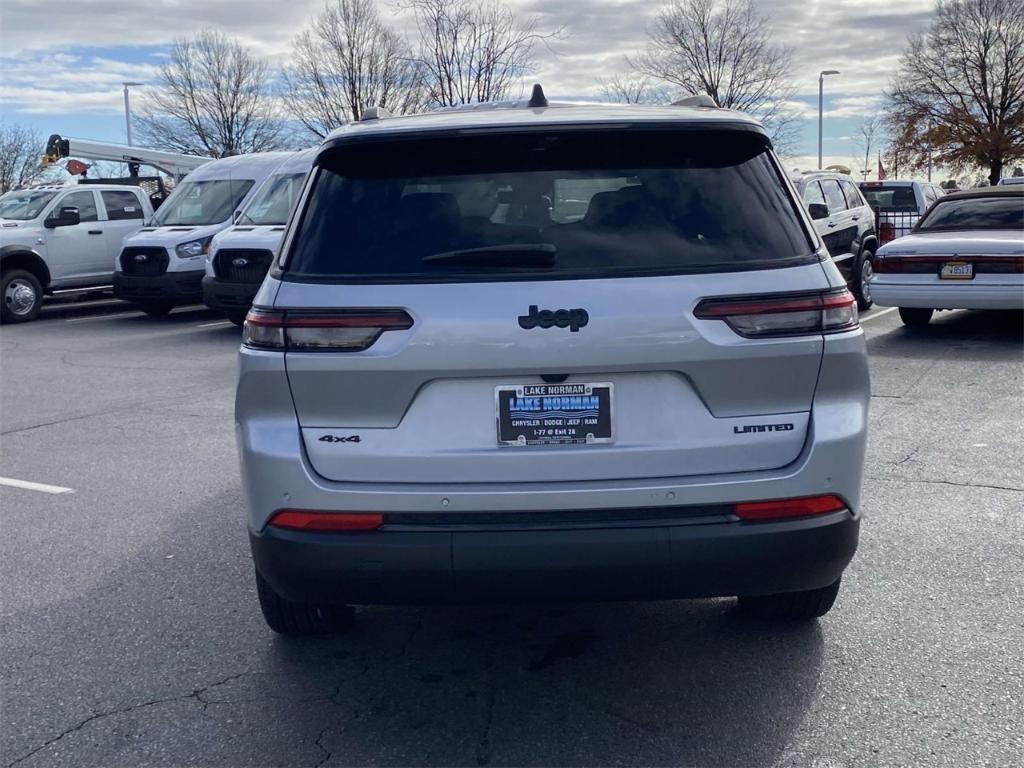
821 101
128 111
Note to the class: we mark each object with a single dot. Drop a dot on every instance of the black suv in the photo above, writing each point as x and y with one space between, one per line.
846 223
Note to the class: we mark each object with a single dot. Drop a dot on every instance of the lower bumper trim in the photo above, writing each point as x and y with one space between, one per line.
177 287
966 294
624 563
228 297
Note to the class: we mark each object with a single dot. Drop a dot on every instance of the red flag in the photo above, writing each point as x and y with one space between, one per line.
882 176
76 167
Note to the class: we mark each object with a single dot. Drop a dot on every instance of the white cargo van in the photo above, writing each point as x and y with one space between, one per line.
241 254
161 266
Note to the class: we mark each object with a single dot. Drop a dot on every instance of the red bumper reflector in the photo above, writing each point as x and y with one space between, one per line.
326 522
786 508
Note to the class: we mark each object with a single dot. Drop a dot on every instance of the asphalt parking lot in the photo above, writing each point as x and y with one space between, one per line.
131 634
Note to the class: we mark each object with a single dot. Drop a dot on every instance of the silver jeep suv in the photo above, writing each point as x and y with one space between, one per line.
534 351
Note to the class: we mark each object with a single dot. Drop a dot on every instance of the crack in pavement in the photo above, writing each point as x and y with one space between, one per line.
129 409
946 482
483 746
647 728
322 748
908 457
107 366
412 635
60 421
196 694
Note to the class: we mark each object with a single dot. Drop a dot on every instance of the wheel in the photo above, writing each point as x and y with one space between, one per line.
862 290
238 318
156 308
22 296
915 317
288 618
792 606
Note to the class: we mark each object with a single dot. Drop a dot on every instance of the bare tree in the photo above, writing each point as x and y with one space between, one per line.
213 98
623 89
473 51
866 138
723 48
21 156
958 96
346 61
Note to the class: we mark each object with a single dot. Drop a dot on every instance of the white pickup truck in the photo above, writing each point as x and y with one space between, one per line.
59 239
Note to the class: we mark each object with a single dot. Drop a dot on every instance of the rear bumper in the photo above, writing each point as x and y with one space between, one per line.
401 565
228 297
176 287
966 294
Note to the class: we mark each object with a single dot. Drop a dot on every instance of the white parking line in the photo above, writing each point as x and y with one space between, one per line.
215 323
29 486
878 314
102 317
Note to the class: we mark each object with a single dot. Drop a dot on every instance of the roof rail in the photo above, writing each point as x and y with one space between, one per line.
697 100
374 113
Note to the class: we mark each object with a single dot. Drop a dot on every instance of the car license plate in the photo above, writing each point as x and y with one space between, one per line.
957 270
554 414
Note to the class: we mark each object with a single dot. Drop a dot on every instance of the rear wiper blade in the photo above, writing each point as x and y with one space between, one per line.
514 255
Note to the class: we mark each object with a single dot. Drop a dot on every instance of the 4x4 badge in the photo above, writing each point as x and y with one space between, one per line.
573 319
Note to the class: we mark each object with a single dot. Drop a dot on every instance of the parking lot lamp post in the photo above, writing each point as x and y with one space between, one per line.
821 91
128 111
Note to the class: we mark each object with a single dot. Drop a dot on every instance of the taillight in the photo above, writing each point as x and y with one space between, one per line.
313 521
345 331
782 509
786 315
886 232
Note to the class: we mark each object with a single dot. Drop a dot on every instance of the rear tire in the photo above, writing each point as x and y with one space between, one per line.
792 606
915 317
862 289
22 296
297 619
238 318
157 308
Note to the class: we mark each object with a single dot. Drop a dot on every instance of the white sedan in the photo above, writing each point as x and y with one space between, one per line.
966 252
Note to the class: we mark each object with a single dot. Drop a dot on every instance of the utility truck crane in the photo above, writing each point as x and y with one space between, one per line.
75 150
172 163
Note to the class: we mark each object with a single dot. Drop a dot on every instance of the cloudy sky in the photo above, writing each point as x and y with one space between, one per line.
62 64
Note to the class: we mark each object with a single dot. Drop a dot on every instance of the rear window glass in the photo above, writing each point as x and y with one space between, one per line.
834 195
853 198
547 206
890 198
122 205
979 213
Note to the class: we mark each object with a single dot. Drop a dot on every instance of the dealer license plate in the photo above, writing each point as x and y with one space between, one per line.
554 414
957 270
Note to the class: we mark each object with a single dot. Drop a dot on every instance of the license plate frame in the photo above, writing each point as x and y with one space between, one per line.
565 423
948 270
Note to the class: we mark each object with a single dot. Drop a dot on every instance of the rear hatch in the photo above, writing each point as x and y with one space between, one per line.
520 307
